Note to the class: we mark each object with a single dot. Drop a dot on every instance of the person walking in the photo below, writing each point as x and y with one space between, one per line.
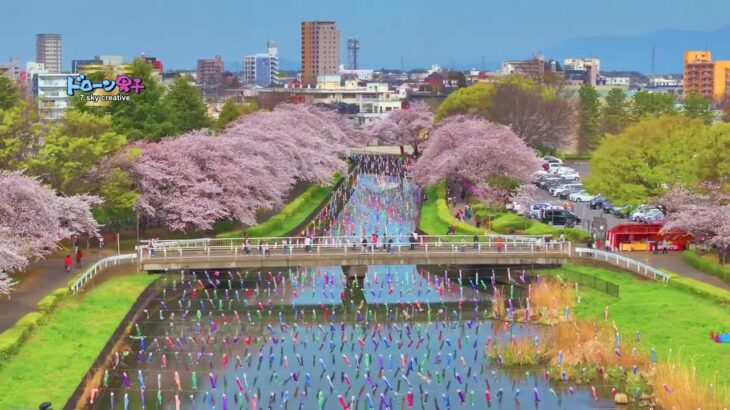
67 262
308 244
78 258
476 241
500 244
665 246
246 246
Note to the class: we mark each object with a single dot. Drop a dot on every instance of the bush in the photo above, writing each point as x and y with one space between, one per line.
705 265
47 303
61 292
11 339
539 228
30 320
575 234
700 289
510 222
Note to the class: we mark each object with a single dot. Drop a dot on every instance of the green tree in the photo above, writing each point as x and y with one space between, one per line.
642 161
477 99
9 94
189 110
71 148
147 115
459 77
696 106
646 105
615 115
712 161
232 111
19 134
589 118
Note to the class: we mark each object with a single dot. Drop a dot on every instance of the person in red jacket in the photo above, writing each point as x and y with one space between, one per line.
67 263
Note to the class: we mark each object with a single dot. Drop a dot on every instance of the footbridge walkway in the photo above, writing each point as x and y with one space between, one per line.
253 253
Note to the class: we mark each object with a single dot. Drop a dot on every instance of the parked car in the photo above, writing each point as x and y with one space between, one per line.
552 160
651 216
566 193
581 196
563 188
622 211
536 209
606 206
597 202
640 212
552 183
559 217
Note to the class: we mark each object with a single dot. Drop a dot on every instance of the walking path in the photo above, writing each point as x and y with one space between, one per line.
673 262
39 280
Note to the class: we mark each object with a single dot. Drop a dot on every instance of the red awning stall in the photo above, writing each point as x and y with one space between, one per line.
640 237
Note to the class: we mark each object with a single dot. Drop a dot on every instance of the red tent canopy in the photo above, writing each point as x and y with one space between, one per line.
645 233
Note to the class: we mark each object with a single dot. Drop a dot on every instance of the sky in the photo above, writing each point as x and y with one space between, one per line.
458 33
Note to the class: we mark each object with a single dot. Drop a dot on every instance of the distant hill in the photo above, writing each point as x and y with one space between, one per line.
634 52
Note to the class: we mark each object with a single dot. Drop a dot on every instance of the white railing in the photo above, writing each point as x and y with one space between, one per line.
295 248
622 261
99 266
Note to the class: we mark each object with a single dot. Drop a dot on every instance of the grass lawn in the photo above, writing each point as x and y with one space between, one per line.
435 216
675 322
57 354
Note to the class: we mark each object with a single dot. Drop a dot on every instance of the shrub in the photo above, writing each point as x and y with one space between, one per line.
47 303
700 289
11 339
575 234
61 292
539 228
30 320
510 222
705 265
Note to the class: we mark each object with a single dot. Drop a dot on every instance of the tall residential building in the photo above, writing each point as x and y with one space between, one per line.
210 71
320 50
261 70
48 51
272 49
704 77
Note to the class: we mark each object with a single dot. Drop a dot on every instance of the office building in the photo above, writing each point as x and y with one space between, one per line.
586 70
707 78
210 71
48 51
320 50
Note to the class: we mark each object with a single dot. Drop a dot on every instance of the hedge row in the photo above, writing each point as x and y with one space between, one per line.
700 289
436 217
13 338
705 265
510 223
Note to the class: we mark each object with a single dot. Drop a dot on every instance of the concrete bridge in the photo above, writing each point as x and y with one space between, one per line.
262 253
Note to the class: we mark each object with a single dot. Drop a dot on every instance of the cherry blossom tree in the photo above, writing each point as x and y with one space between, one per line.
489 156
313 139
409 126
195 180
33 219
703 212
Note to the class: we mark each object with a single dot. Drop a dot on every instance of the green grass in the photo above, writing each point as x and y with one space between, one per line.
290 217
435 216
706 265
56 355
667 317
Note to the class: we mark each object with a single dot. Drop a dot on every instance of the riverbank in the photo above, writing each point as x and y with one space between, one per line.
49 365
676 324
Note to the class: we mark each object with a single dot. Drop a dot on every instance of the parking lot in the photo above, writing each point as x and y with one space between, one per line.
582 209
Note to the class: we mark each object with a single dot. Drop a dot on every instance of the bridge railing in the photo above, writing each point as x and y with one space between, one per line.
98 267
328 240
334 246
620 260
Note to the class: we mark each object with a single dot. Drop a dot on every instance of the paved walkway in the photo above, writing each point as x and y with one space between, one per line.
40 279
673 262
